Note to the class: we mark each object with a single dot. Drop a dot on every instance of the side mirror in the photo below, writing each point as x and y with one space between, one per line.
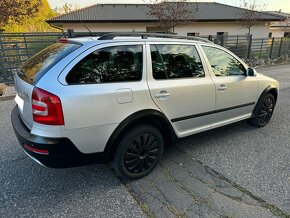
250 72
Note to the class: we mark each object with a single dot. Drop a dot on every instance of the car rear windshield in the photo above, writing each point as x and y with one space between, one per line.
39 64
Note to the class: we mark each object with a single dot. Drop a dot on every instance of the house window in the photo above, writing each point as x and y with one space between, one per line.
192 34
287 34
270 35
221 33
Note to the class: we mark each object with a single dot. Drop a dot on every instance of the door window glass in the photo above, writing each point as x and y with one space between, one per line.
222 63
175 61
106 65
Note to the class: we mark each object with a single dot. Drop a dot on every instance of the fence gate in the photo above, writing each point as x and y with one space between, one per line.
16 48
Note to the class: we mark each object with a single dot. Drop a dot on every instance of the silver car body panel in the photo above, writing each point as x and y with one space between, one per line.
23 99
93 111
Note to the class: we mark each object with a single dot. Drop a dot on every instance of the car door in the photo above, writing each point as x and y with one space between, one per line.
180 87
236 93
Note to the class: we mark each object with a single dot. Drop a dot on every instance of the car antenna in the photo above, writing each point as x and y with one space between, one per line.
79 20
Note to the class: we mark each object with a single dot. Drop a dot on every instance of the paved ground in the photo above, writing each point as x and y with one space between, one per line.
257 159
233 171
181 186
30 190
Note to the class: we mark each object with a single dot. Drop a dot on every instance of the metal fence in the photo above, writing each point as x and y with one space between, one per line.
248 47
16 48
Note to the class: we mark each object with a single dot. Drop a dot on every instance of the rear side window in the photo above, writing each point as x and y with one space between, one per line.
175 61
39 64
107 65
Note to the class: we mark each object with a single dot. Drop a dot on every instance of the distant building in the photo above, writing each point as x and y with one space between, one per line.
211 19
280 28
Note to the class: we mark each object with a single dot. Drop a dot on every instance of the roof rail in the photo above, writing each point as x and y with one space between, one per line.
145 35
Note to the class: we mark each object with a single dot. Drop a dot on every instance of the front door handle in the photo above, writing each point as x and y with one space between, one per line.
222 87
162 95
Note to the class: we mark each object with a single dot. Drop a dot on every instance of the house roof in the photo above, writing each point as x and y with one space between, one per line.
284 22
101 13
279 13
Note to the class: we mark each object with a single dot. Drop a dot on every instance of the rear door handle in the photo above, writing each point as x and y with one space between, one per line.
162 95
222 87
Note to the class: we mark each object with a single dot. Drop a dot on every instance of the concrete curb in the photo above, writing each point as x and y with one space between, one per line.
8 94
6 98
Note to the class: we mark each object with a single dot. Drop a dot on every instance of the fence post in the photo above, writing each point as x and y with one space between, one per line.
237 42
249 46
222 40
272 45
70 33
261 48
280 47
25 42
2 50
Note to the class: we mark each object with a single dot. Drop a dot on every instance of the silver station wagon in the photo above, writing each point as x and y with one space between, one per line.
123 97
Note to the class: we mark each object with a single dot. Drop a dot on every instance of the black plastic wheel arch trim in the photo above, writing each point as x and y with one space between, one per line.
263 94
143 116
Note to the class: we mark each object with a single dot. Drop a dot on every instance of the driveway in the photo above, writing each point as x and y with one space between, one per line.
234 171
30 190
256 159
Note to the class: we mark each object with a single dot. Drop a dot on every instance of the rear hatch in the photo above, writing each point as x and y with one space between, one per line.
32 71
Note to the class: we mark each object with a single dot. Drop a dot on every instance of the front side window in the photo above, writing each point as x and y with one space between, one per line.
222 63
175 61
106 65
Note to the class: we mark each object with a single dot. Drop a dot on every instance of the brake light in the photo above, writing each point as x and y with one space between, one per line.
62 40
46 108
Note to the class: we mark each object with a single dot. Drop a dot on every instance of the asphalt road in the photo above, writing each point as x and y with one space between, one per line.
30 190
258 159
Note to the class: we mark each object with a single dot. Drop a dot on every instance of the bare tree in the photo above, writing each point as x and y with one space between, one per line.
285 25
64 9
172 13
250 16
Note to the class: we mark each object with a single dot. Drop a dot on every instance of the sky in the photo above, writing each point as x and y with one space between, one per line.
272 5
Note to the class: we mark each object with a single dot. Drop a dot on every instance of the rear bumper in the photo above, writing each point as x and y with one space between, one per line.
51 152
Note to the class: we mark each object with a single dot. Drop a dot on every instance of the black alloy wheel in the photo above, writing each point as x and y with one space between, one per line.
139 152
264 111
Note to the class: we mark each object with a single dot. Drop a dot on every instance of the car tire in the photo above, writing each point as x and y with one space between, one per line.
263 111
138 152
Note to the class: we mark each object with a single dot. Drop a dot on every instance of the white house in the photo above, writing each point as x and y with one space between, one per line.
280 28
211 19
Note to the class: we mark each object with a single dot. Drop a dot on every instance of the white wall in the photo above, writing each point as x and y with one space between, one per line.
277 32
233 28
203 28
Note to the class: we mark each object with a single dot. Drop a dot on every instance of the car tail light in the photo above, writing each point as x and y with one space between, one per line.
46 108
62 40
